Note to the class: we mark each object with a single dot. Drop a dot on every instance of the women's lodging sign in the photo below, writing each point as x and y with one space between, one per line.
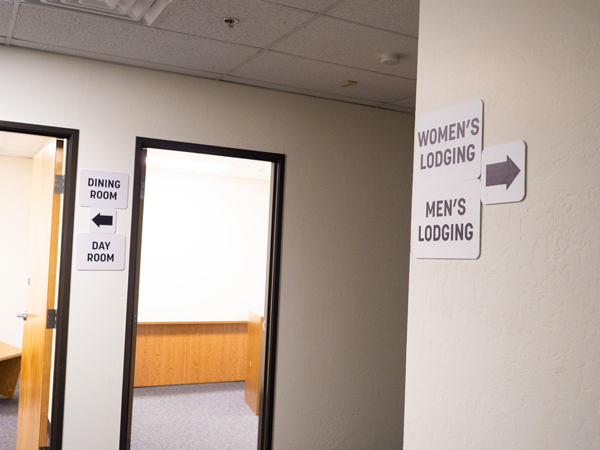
446 196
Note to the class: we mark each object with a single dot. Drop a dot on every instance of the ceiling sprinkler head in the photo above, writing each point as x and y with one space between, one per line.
230 21
390 59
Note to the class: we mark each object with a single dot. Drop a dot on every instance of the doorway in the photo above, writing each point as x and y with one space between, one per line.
37 162
189 335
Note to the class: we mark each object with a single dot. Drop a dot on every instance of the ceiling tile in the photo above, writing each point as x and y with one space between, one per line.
260 23
5 14
407 102
401 16
341 42
287 70
308 92
110 37
114 59
309 5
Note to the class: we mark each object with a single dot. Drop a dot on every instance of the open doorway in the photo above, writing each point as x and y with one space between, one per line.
35 230
202 313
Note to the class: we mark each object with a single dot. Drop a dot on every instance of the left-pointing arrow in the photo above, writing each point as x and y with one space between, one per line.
501 173
102 220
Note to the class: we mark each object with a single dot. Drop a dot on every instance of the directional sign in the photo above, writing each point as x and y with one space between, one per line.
100 252
447 220
103 189
103 220
448 144
503 173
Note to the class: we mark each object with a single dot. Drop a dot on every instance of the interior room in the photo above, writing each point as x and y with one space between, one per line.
345 200
203 274
376 348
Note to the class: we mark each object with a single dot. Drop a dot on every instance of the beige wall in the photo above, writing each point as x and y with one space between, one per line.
204 247
15 203
345 250
503 352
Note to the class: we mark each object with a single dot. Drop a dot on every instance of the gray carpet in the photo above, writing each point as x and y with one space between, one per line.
9 414
208 416
9 410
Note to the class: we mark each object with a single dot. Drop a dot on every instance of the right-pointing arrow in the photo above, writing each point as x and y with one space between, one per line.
102 220
501 173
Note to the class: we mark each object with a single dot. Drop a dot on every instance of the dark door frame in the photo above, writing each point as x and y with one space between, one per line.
64 277
267 397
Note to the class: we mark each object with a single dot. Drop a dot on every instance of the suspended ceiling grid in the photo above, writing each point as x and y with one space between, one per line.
303 46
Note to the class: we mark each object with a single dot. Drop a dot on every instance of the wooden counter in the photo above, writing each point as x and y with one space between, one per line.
10 369
255 339
190 352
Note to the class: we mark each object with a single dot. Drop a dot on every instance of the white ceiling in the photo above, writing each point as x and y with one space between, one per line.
302 46
22 145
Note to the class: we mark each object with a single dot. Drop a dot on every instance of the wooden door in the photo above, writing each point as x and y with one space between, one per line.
42 266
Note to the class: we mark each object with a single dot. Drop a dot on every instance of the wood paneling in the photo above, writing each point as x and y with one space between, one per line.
190 353
10 369
255 338
40 296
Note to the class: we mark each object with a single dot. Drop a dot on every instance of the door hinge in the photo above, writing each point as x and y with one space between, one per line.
59 184
44 448
142 189
51 319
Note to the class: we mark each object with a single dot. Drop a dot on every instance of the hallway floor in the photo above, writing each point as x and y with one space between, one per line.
208 416
9 410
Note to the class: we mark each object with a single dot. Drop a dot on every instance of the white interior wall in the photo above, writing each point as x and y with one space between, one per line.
344 275
15 204
204 247
503 351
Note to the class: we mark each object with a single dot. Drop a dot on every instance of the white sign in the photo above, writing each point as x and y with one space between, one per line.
448 144
100 251
103 220
103 189
503 173
447 220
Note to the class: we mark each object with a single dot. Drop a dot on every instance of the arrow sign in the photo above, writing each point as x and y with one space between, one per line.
511 172
501 173
102 220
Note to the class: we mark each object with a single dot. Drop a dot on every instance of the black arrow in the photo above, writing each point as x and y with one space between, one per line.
501 173
102 220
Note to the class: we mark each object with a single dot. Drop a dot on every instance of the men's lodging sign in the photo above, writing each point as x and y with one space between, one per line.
446 196
104 192
446 220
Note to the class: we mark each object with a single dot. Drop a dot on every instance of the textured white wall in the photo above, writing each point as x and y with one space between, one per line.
340 366
204 249
15 205
503 352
